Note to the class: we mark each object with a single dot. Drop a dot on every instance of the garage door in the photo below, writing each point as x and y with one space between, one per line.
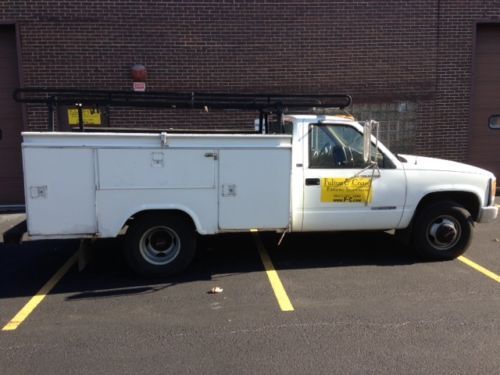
11 179
485 132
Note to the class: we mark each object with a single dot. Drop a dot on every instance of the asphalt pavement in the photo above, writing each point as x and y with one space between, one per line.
361 303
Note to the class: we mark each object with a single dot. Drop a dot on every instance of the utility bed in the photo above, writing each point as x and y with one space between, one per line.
90 184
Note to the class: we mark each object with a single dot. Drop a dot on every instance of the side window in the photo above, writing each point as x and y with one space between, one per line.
321 148
337 146
494 122
288 127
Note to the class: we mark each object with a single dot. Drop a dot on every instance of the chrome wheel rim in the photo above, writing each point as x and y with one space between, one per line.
444 232
159 245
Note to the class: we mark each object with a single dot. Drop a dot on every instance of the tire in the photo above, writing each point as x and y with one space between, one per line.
160 244
442 231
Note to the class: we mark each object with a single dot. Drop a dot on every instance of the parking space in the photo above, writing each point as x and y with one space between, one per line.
361 303
25 269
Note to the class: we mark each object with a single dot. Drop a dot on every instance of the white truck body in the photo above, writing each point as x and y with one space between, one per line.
81 185
90 184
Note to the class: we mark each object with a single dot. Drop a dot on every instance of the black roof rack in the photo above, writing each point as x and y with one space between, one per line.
265 104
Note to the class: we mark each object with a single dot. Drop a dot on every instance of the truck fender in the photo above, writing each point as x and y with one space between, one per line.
467 196
183 209
112 227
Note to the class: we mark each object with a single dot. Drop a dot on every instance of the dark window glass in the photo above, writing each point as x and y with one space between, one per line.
494 122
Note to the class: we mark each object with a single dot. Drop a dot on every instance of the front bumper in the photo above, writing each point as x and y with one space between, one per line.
487 214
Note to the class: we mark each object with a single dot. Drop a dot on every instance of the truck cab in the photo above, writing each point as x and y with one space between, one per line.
432 202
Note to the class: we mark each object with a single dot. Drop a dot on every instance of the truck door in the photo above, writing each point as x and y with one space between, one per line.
338 193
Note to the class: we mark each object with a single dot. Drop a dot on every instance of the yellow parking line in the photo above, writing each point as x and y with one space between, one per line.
42 293
274 279
479 268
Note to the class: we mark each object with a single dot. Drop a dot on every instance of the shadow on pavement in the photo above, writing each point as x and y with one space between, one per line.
325 250
25 268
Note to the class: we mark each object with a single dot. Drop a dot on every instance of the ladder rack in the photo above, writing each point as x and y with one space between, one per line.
265 104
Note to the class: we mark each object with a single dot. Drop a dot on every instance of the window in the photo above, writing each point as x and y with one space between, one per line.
288 127
338 146
494 122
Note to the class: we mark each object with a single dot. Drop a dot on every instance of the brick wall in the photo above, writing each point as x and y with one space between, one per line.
444 130
378 51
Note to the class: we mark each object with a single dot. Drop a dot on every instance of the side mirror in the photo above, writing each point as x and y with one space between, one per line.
368 129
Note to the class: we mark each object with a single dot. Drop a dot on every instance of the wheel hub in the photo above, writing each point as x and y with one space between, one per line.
444 233
160 241
160 245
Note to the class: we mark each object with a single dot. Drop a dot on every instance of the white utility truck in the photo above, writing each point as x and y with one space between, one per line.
321 173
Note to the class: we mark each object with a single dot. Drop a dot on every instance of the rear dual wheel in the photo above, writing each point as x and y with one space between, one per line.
162 244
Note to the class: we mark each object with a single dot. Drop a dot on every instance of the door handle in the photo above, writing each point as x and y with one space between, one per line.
211 155
312 181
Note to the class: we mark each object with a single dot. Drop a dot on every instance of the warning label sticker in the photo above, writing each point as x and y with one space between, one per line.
346 190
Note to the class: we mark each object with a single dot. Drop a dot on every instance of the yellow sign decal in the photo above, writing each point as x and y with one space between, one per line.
91 116
346 190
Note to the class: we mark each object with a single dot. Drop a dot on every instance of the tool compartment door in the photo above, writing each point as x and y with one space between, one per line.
60 190
254 189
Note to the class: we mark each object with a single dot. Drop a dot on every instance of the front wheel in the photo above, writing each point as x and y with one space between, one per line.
442 231
160 244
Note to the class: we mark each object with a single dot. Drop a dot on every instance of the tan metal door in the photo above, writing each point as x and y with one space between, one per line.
11 174
485 131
